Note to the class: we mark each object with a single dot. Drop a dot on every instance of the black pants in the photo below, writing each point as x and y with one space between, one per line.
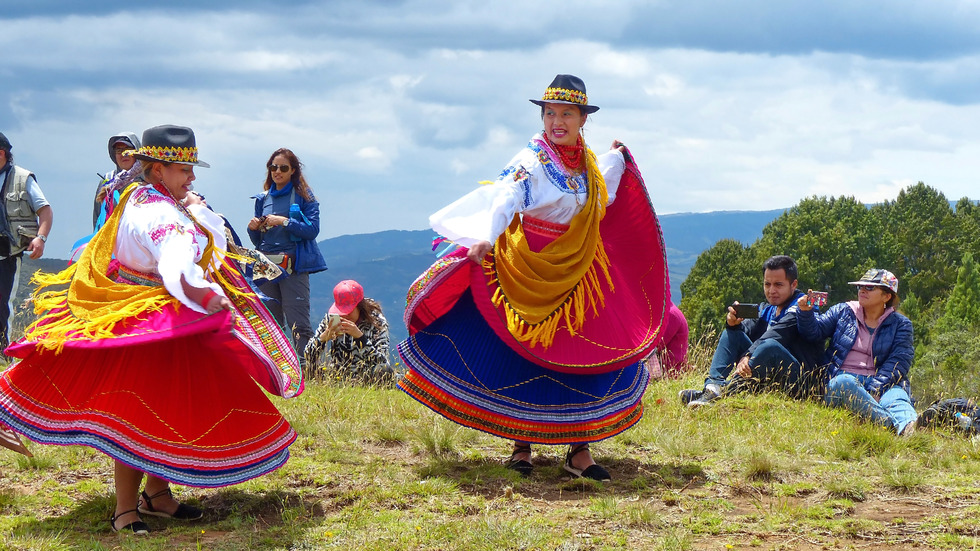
9 281
291 308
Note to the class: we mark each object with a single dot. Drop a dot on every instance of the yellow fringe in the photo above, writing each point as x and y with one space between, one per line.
572 278
226 285
91 305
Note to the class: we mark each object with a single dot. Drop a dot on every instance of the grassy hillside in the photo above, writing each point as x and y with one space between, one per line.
372 469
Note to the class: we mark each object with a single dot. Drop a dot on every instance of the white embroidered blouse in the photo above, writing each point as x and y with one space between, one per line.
155 236
534 183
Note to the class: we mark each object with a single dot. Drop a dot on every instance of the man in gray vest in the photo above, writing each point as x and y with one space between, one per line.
25 221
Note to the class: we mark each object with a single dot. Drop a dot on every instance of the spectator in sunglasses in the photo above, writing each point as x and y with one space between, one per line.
869 354
284 228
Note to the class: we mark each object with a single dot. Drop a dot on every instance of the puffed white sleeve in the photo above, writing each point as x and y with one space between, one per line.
215 224
484 213
176 244
481 215
611 165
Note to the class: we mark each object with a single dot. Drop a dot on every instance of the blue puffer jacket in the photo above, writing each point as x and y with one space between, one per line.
781 329
891 347
308 257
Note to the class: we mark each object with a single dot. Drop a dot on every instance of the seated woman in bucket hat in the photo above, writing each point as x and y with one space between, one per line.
152 351
870 351
536 328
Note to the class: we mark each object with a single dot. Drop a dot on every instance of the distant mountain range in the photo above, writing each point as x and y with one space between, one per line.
387 262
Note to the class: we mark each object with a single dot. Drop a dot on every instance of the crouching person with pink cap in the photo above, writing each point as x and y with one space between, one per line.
358 335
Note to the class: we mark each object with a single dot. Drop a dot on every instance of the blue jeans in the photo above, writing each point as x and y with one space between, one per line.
894 408
771 363
731 347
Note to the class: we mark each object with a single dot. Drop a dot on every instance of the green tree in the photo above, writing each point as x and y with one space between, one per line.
963 304
947 367
833 240
911 306
919 237
968 227
926 230
721 275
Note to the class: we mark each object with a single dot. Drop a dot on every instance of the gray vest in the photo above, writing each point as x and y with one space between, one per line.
21 218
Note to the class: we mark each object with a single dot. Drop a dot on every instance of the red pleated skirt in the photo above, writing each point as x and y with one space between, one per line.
177 398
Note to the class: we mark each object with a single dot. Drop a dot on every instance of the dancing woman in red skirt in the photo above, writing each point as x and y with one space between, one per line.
534 329
149 348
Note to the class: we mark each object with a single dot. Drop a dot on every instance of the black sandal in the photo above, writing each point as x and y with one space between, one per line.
183 512
136 527
592 472
522 466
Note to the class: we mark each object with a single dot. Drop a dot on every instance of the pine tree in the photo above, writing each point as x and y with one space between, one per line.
963 304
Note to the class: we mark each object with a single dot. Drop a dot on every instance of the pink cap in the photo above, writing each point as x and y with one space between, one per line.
346 296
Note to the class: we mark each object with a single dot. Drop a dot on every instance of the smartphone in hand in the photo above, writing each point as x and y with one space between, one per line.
746 311
332 330
816 299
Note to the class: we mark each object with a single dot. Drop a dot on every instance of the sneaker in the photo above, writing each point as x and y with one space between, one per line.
689 394
711 393
908 430
928 416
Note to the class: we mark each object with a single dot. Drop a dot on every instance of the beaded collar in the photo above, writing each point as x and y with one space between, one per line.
570 155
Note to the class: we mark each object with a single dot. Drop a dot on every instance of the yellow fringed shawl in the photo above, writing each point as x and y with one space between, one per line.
560 282
93 304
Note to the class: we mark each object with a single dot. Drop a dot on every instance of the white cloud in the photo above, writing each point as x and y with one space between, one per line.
372 154
458 167
404 106
404 82
266 61
665 86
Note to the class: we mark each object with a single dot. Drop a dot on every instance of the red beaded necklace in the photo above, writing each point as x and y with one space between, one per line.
570 155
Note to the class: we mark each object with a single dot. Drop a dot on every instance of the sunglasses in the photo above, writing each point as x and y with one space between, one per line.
280 168
869 287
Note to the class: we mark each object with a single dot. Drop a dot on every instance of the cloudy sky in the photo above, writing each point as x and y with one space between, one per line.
396 108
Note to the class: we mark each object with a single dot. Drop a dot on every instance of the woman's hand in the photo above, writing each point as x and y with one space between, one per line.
618 145
346 327
803 303
209 299
478 251
265 222
275 220
193 199
349 328
219 303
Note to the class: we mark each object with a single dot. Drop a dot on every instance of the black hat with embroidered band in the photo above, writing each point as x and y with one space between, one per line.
169 144
567 89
